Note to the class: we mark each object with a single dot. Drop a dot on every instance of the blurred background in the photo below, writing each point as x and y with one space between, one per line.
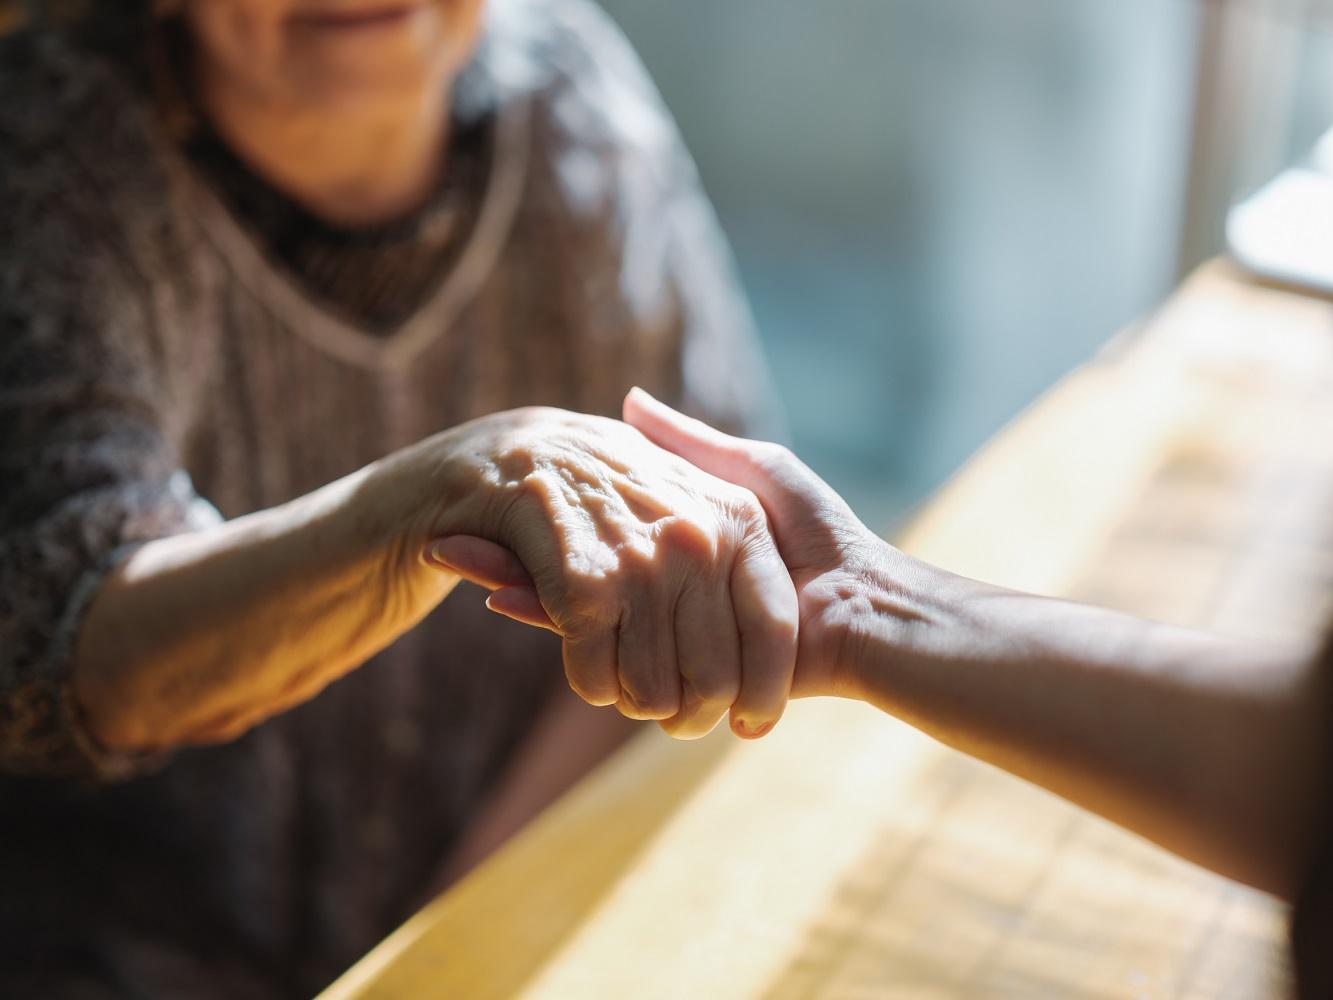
940 206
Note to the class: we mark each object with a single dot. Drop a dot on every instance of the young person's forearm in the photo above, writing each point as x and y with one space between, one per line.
1210 746
1204 744
197 638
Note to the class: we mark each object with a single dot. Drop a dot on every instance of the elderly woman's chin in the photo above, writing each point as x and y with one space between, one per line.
341 53
332 53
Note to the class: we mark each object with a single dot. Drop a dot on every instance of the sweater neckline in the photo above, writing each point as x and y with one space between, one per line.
342 336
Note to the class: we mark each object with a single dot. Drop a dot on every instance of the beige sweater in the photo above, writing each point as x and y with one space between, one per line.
164 364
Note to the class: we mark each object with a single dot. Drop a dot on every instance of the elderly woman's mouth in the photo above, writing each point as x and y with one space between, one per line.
357 18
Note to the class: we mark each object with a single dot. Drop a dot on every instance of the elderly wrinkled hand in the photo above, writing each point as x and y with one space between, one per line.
830 556
663 581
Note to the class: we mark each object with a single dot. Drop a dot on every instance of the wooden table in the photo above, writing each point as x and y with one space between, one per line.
1187 474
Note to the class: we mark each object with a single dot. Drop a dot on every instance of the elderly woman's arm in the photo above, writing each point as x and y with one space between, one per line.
133 621
643 562
196 637
1211 746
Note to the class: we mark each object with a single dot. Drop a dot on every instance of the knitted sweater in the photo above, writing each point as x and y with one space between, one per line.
167 361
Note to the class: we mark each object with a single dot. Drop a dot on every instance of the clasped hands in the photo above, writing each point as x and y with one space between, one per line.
691 575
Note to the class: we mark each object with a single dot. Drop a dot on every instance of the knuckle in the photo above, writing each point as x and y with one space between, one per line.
589 641
649 698
745 507
750 505
636 562
592 685
514 463
713 687
689 728
593 594
599 695
632 709
686 536
677 728
535 414
528 499
535 485
585 594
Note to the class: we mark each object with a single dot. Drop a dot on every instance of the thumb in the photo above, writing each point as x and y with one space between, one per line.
719 454
809 520
783 485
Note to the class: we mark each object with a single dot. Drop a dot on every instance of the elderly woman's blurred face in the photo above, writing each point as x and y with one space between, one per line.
322 54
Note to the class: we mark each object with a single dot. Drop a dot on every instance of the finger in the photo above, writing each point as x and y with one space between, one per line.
591 666
803 511
708 652
649 677
765 605
479 561
522 605
496 568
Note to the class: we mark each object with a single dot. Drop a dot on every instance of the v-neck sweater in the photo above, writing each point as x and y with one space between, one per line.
163 367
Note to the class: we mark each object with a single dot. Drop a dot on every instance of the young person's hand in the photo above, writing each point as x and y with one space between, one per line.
1213 747
848 580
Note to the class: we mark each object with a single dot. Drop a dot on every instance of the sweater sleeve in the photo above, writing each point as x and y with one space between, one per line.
88 468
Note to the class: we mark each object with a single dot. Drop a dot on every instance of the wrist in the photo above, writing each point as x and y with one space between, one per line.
462 481
409 497
386 513
901 615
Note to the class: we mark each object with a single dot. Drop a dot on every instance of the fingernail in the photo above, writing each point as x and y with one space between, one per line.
435 555
754 732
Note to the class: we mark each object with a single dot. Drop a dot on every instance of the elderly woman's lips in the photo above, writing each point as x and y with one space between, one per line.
363 17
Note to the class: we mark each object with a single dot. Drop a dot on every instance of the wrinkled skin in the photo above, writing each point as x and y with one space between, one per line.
663 581
828 553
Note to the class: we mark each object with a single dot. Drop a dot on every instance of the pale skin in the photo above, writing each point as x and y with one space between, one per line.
1208 745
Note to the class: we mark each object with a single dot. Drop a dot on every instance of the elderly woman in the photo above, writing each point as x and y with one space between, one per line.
267 266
